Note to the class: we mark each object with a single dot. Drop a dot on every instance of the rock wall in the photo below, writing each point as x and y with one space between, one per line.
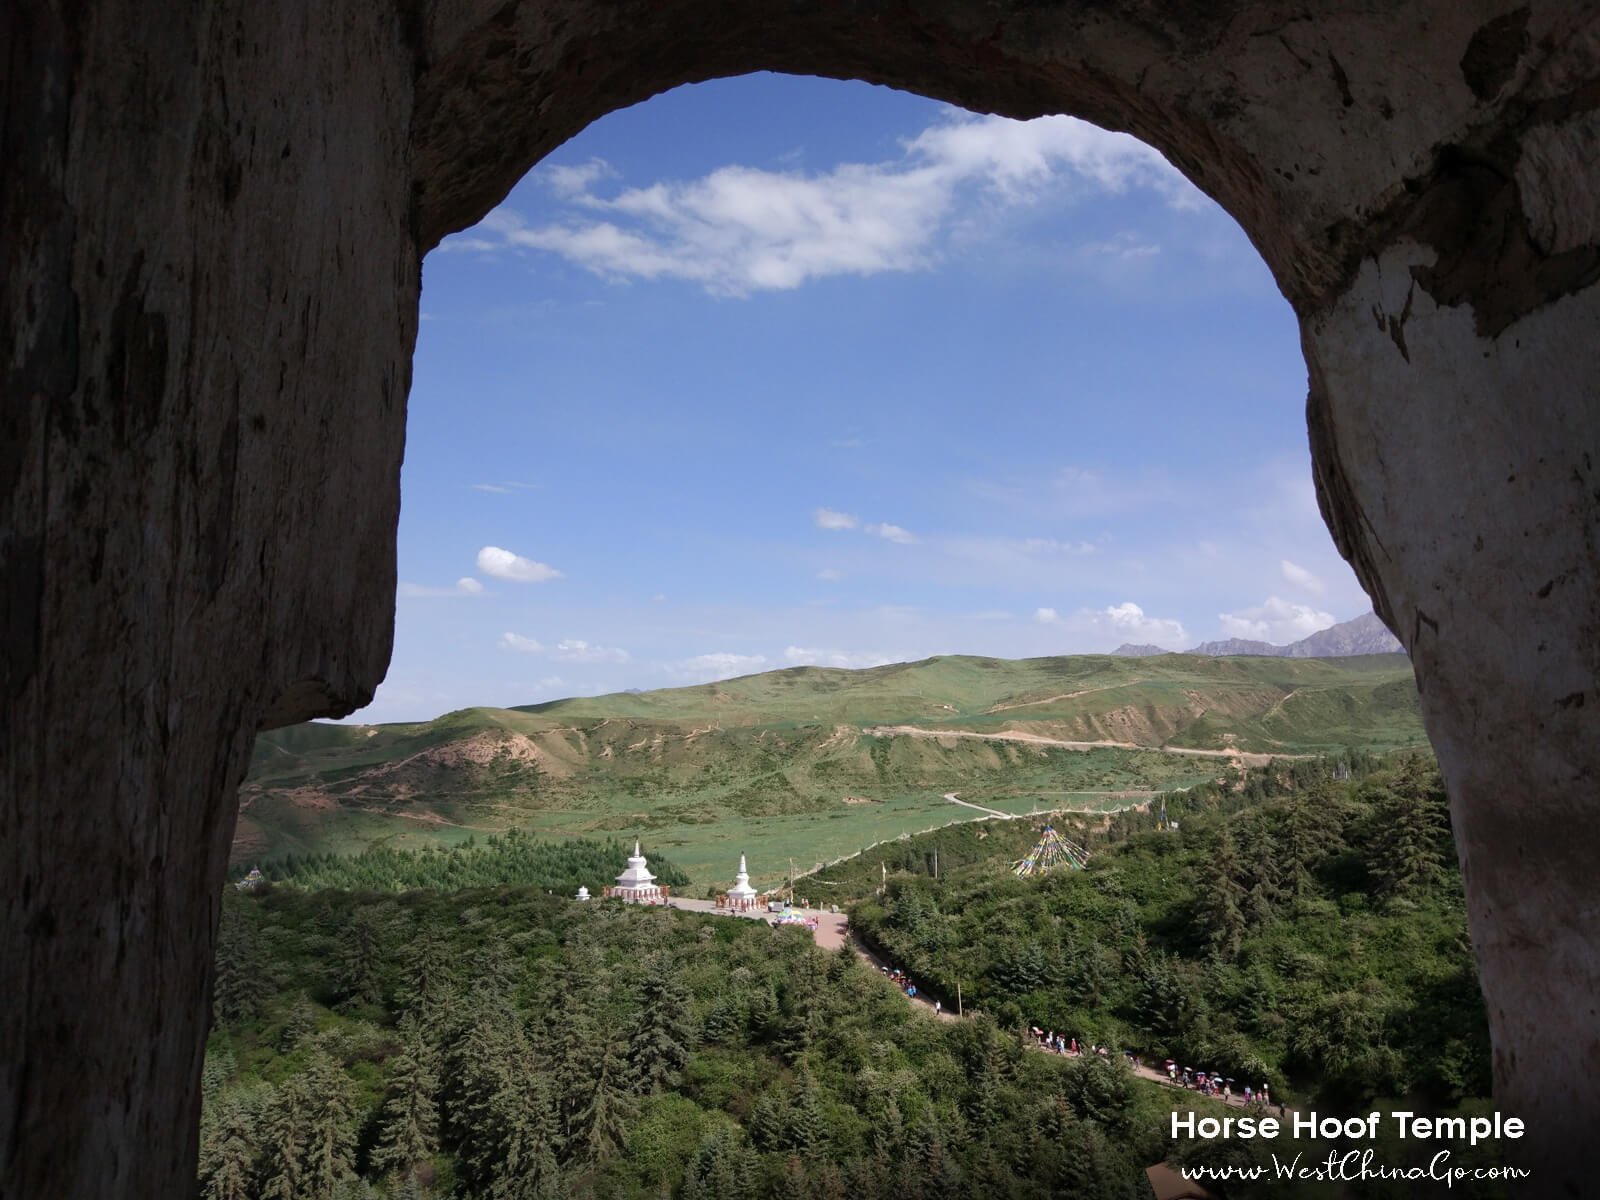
208 297
211 219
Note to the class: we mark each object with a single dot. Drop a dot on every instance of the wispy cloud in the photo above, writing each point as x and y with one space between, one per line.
1276 621
740 229
465 586
576 650
1125 622
708 668
566 650
800 656
893 533
830 575
827 518
503 489
503 564
1301 577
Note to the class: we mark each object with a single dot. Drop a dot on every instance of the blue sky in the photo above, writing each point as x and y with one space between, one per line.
770 371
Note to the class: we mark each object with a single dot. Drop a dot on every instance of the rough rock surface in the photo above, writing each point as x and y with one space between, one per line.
211 218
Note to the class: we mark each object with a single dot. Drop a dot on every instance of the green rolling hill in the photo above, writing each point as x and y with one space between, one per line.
811 764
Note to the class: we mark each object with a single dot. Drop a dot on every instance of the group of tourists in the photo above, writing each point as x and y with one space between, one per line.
1207 1083
903 981
1060 1043
1210 1083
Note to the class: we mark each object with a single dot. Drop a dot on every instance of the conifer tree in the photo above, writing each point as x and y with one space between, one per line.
600 1129
1220 898
662 1034
428 979
888 1137
1408 853
1309 833
766 1121
576 1051
525 1166
330 1128
723 1167
227 1152
285 1132
722 1020
219 1067
792 1182
360 963
497 969
925 1145
237 988
477 1065
302 1023
408 1130
806 1126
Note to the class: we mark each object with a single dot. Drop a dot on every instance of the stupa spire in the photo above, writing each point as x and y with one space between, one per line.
741 894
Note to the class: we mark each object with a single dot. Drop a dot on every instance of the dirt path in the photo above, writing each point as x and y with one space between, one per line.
1036 739
1110 687
833 931
993 812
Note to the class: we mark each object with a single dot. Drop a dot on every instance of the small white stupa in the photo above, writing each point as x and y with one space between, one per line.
637 884
583 893
741 894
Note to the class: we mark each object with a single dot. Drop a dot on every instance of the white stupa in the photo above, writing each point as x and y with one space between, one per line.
741 894
583 893
637 883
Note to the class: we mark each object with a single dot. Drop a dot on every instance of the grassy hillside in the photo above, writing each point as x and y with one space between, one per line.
812 763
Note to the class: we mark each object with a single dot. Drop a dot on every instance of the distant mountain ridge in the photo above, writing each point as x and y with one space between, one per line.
1364 635
1129 650
783 759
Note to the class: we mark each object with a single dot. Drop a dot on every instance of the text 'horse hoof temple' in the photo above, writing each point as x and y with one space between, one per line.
212 227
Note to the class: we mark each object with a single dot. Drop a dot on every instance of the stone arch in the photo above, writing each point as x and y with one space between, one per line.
211 225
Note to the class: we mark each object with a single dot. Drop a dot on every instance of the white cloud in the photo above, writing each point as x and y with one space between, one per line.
830 575
893 533
576 650
1126 622
799 656
504 489
1124 247
741 229
503 564
1276 621
575 181
465 586
1129 619
708 668
566 650
1301 577
826 518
